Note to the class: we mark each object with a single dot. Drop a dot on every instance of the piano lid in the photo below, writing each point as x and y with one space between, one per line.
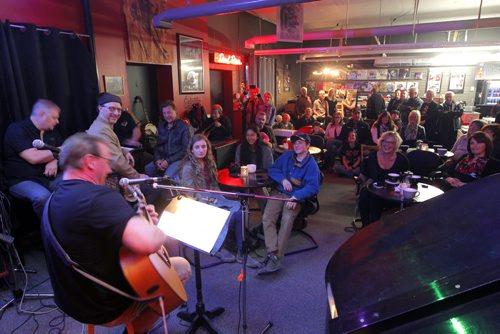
439 250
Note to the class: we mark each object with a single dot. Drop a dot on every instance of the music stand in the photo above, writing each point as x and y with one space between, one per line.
186 220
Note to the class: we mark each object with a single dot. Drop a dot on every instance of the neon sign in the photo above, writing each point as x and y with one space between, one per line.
230 59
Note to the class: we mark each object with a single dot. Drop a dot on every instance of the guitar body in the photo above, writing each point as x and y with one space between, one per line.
153 276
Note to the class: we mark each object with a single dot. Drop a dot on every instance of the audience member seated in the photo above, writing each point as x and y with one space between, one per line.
361 127
333 139
268 136
110 109
395 118
382 124
285 123
449 121
278 122
197 116
475 165
173 140
91 223
253 151
317 130
28 171
459 149
380 163
218 128
350 155
306 119
298 177
199 171
413 131
320 107
128 130
493 130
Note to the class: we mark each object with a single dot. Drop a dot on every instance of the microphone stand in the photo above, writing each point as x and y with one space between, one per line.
201 317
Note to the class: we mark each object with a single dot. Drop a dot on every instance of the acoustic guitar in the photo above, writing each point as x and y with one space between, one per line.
152 276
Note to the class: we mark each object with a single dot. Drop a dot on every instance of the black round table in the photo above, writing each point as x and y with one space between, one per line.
426 192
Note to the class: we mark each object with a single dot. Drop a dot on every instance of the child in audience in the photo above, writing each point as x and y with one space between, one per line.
350 154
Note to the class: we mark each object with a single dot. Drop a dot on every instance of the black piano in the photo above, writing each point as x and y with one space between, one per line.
432 268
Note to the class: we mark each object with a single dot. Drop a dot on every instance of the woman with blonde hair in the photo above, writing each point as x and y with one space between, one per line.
413 131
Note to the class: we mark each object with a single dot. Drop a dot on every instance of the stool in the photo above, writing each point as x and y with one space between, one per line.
128 325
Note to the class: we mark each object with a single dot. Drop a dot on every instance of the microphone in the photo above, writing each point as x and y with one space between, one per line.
40 145
147 180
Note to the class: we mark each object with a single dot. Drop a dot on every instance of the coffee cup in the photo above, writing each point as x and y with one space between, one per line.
252 168
393 177
404 148
410 193
441 151
414 180
424 146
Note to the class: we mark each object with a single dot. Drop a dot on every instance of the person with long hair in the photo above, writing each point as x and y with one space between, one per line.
253 150
395 101
385 160
476 164
413 131
383 123
199 170
333 138
493 130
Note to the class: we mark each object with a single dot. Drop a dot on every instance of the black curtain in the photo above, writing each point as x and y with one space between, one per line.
38 64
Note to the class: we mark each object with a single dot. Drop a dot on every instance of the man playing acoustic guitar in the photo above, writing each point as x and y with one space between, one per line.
93 224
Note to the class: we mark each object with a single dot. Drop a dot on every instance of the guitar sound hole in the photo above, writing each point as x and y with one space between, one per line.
152 289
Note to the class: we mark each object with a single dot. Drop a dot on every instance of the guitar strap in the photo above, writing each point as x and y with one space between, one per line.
46 225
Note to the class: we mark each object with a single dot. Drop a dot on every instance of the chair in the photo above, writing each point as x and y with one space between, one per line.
423 163
309 207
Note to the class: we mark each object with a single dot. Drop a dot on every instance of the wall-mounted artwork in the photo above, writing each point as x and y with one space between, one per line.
113 85
457 81
434 80
190 62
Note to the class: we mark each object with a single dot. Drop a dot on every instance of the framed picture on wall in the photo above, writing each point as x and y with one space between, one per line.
457 81
113 85
434 80
190 63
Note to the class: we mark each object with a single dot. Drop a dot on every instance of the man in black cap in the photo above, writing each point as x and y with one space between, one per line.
110 109
28 171
298 178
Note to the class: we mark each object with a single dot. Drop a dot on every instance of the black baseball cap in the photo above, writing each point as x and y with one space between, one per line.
301 136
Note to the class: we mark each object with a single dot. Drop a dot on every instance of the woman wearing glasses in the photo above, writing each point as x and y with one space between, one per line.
385 160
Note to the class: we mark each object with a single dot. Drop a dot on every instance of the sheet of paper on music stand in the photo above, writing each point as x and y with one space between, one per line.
193 223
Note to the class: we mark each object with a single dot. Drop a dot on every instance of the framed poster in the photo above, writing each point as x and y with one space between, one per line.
113 85
457 81
434 80
190 63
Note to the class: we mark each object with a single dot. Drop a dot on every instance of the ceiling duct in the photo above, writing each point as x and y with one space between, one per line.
165 18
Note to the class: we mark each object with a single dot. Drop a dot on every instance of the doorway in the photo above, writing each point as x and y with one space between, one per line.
221 86
153 84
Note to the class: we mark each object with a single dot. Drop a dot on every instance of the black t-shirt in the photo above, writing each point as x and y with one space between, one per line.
350 153
124 127
88 221
19 137
373 171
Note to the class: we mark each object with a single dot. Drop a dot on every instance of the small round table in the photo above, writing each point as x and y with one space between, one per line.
258 179
426 192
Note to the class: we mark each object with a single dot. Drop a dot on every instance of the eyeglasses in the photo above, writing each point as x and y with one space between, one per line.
114 109
101 157
390 142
